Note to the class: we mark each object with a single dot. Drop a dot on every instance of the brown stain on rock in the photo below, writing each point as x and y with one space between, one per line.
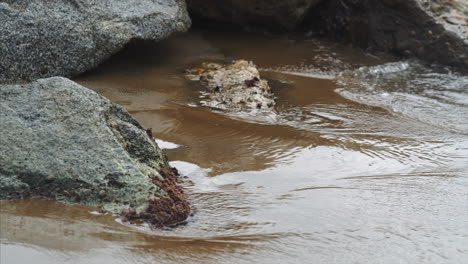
166 211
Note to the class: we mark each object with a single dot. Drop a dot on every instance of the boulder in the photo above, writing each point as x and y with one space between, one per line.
234 86
277 15
44 38
401 27
452 14
65 142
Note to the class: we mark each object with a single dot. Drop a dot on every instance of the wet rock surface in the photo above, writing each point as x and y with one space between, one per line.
41 38
400 27
165 211
275 14
235 86
65 142
452 14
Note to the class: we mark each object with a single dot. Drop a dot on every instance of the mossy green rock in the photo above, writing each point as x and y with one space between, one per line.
63 141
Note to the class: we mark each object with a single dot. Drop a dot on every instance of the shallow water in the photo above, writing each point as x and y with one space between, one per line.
363 161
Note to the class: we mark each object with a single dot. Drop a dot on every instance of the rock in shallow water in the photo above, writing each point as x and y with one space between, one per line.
235 86
63 141
43 38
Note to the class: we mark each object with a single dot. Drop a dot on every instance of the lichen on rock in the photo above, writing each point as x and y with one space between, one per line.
234 86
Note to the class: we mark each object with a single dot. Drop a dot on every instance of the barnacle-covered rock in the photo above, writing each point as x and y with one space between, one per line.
235 86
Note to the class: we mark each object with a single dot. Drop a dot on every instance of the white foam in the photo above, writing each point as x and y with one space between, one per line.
166 144
95 213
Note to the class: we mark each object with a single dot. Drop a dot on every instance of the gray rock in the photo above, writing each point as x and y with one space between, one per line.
43 38
453 15
63 141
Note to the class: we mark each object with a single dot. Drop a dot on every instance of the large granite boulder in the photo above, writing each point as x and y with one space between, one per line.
65 142
44 38
277 15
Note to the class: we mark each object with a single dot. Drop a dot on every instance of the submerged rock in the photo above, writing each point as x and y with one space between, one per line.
43 38
235 86
65 142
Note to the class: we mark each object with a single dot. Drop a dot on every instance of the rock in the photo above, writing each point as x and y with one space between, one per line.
275 14
43 38
235 86
398 26
452 14
65 142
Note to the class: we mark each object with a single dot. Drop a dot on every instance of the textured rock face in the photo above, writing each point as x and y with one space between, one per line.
43 38
452 14
63 141
397 26
236 86
401 27
275 14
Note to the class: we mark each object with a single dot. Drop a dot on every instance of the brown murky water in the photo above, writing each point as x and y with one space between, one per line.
367 166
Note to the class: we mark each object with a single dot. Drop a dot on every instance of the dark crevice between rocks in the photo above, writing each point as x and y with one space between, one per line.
135 54
207 25
278 16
